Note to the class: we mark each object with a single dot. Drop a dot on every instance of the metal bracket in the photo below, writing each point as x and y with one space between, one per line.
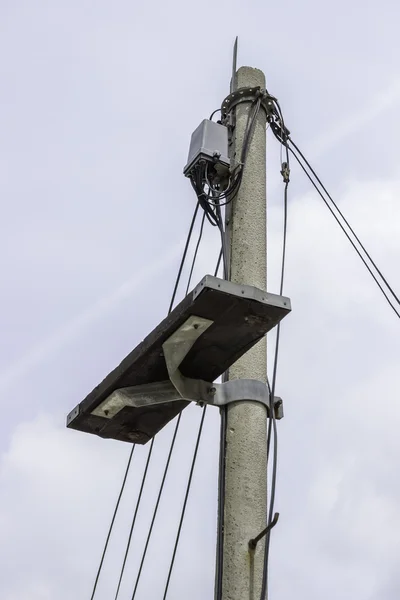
204 392
179 387
247 94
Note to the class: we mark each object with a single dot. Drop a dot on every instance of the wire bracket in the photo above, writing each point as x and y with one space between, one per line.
254 541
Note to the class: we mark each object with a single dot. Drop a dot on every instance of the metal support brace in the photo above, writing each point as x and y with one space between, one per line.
184 388
204 392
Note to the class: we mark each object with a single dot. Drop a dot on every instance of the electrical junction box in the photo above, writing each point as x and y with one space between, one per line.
210 143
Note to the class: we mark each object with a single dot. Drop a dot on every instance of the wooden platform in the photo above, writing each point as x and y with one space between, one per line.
241 315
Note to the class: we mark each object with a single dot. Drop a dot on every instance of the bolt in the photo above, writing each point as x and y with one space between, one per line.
212 391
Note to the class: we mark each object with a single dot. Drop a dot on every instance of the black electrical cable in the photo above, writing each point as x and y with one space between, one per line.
344 231
195 252
281 133
197 183
223 239
218 262
189 483
180 414
221 506
133 447
272 428
157 504
222 459
135 515
214 113
112 521
346 221
178 278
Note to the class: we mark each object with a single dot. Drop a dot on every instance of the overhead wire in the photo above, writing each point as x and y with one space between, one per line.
222 456
201 424
134 516
121 491
378 283
189 483
272 428
178 421
282 134
195 253
175 289
178 277
346 222
173 440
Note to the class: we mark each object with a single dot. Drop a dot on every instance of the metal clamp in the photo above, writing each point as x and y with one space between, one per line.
247 94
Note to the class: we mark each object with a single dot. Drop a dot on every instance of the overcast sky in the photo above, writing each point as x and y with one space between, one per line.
98 101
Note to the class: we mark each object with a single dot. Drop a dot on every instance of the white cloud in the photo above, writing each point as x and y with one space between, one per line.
77 325
98 103
374 107
58 490
60 486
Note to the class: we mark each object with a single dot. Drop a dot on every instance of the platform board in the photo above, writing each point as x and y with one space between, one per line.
241 315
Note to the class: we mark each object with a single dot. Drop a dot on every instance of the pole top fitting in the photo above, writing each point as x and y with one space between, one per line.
247 94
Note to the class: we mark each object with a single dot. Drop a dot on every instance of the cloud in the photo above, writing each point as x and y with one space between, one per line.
57 493
77 325
357 119
338 451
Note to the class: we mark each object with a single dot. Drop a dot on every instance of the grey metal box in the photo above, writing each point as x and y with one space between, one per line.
208 141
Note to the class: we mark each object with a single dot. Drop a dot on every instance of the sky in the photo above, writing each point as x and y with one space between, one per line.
98 102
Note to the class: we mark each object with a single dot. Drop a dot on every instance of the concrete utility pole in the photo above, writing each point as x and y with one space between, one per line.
246 435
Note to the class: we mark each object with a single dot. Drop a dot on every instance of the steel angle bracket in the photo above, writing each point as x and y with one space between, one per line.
204 392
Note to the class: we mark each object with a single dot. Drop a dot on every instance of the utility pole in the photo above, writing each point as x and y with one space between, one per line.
246 427
203 336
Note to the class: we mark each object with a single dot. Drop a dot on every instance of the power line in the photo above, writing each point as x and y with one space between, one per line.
195 252
112 521
272 428
283 136
175 431
185 500
177 281
222 450
178 277
134 516
346 222
221 504
157 505
222 256
345 232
